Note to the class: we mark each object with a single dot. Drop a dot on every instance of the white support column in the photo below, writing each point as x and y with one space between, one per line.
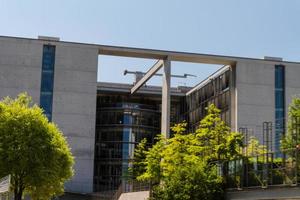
166 98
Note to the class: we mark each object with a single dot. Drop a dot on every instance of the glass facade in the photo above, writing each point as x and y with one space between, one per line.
215 91
279 104
47 80
122 121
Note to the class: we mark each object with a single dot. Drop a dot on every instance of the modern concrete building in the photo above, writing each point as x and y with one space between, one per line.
62 78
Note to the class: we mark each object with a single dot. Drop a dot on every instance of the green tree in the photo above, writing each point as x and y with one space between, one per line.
254 151
184 166
292 138
138 165
152 162
32 150
253 148
215 138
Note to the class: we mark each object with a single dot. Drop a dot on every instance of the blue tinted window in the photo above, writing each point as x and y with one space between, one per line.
47 66
279 99
47 83
279 105
279 76
278 135
47 80
127 119
126 134
49 116
279 114
48 57
46 102
49 49
125 146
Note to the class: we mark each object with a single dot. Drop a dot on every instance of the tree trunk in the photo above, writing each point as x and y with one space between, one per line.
18 193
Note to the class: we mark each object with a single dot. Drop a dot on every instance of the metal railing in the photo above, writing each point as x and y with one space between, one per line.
263 170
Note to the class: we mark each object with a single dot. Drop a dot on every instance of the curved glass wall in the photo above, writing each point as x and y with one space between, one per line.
121 123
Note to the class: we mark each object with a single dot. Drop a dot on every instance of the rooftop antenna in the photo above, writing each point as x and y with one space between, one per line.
139 75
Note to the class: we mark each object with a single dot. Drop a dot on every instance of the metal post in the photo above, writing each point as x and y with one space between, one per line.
166 98
244 132
244 176
267 141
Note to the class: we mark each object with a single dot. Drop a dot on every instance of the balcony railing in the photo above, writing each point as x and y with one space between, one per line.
263 170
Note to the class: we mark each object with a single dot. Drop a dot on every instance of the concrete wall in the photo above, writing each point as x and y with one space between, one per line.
255 85
74 107
20 64
74 95
255 89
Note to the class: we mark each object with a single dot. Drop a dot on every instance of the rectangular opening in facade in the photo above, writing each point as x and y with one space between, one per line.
47 80
279 104
123 120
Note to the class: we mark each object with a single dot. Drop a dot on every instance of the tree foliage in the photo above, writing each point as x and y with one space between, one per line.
138 166
32 150
216 139
185 166
254 148
292 137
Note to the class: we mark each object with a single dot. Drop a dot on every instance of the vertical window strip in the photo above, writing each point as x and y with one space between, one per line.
47 80
279 104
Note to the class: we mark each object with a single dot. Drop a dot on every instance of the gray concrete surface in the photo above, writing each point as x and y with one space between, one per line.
278 193
255 90
144 195
74 95
74 108
20 63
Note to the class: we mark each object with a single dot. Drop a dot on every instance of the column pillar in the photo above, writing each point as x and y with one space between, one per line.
166 99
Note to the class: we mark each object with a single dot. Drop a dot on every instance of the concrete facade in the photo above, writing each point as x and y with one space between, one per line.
74 108
252 89
20 62
74 94
255 86
255 93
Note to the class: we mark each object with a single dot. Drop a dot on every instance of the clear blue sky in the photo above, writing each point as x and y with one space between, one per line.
251 28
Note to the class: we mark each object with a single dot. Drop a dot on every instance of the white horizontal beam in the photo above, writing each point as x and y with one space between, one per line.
147 76
171 55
